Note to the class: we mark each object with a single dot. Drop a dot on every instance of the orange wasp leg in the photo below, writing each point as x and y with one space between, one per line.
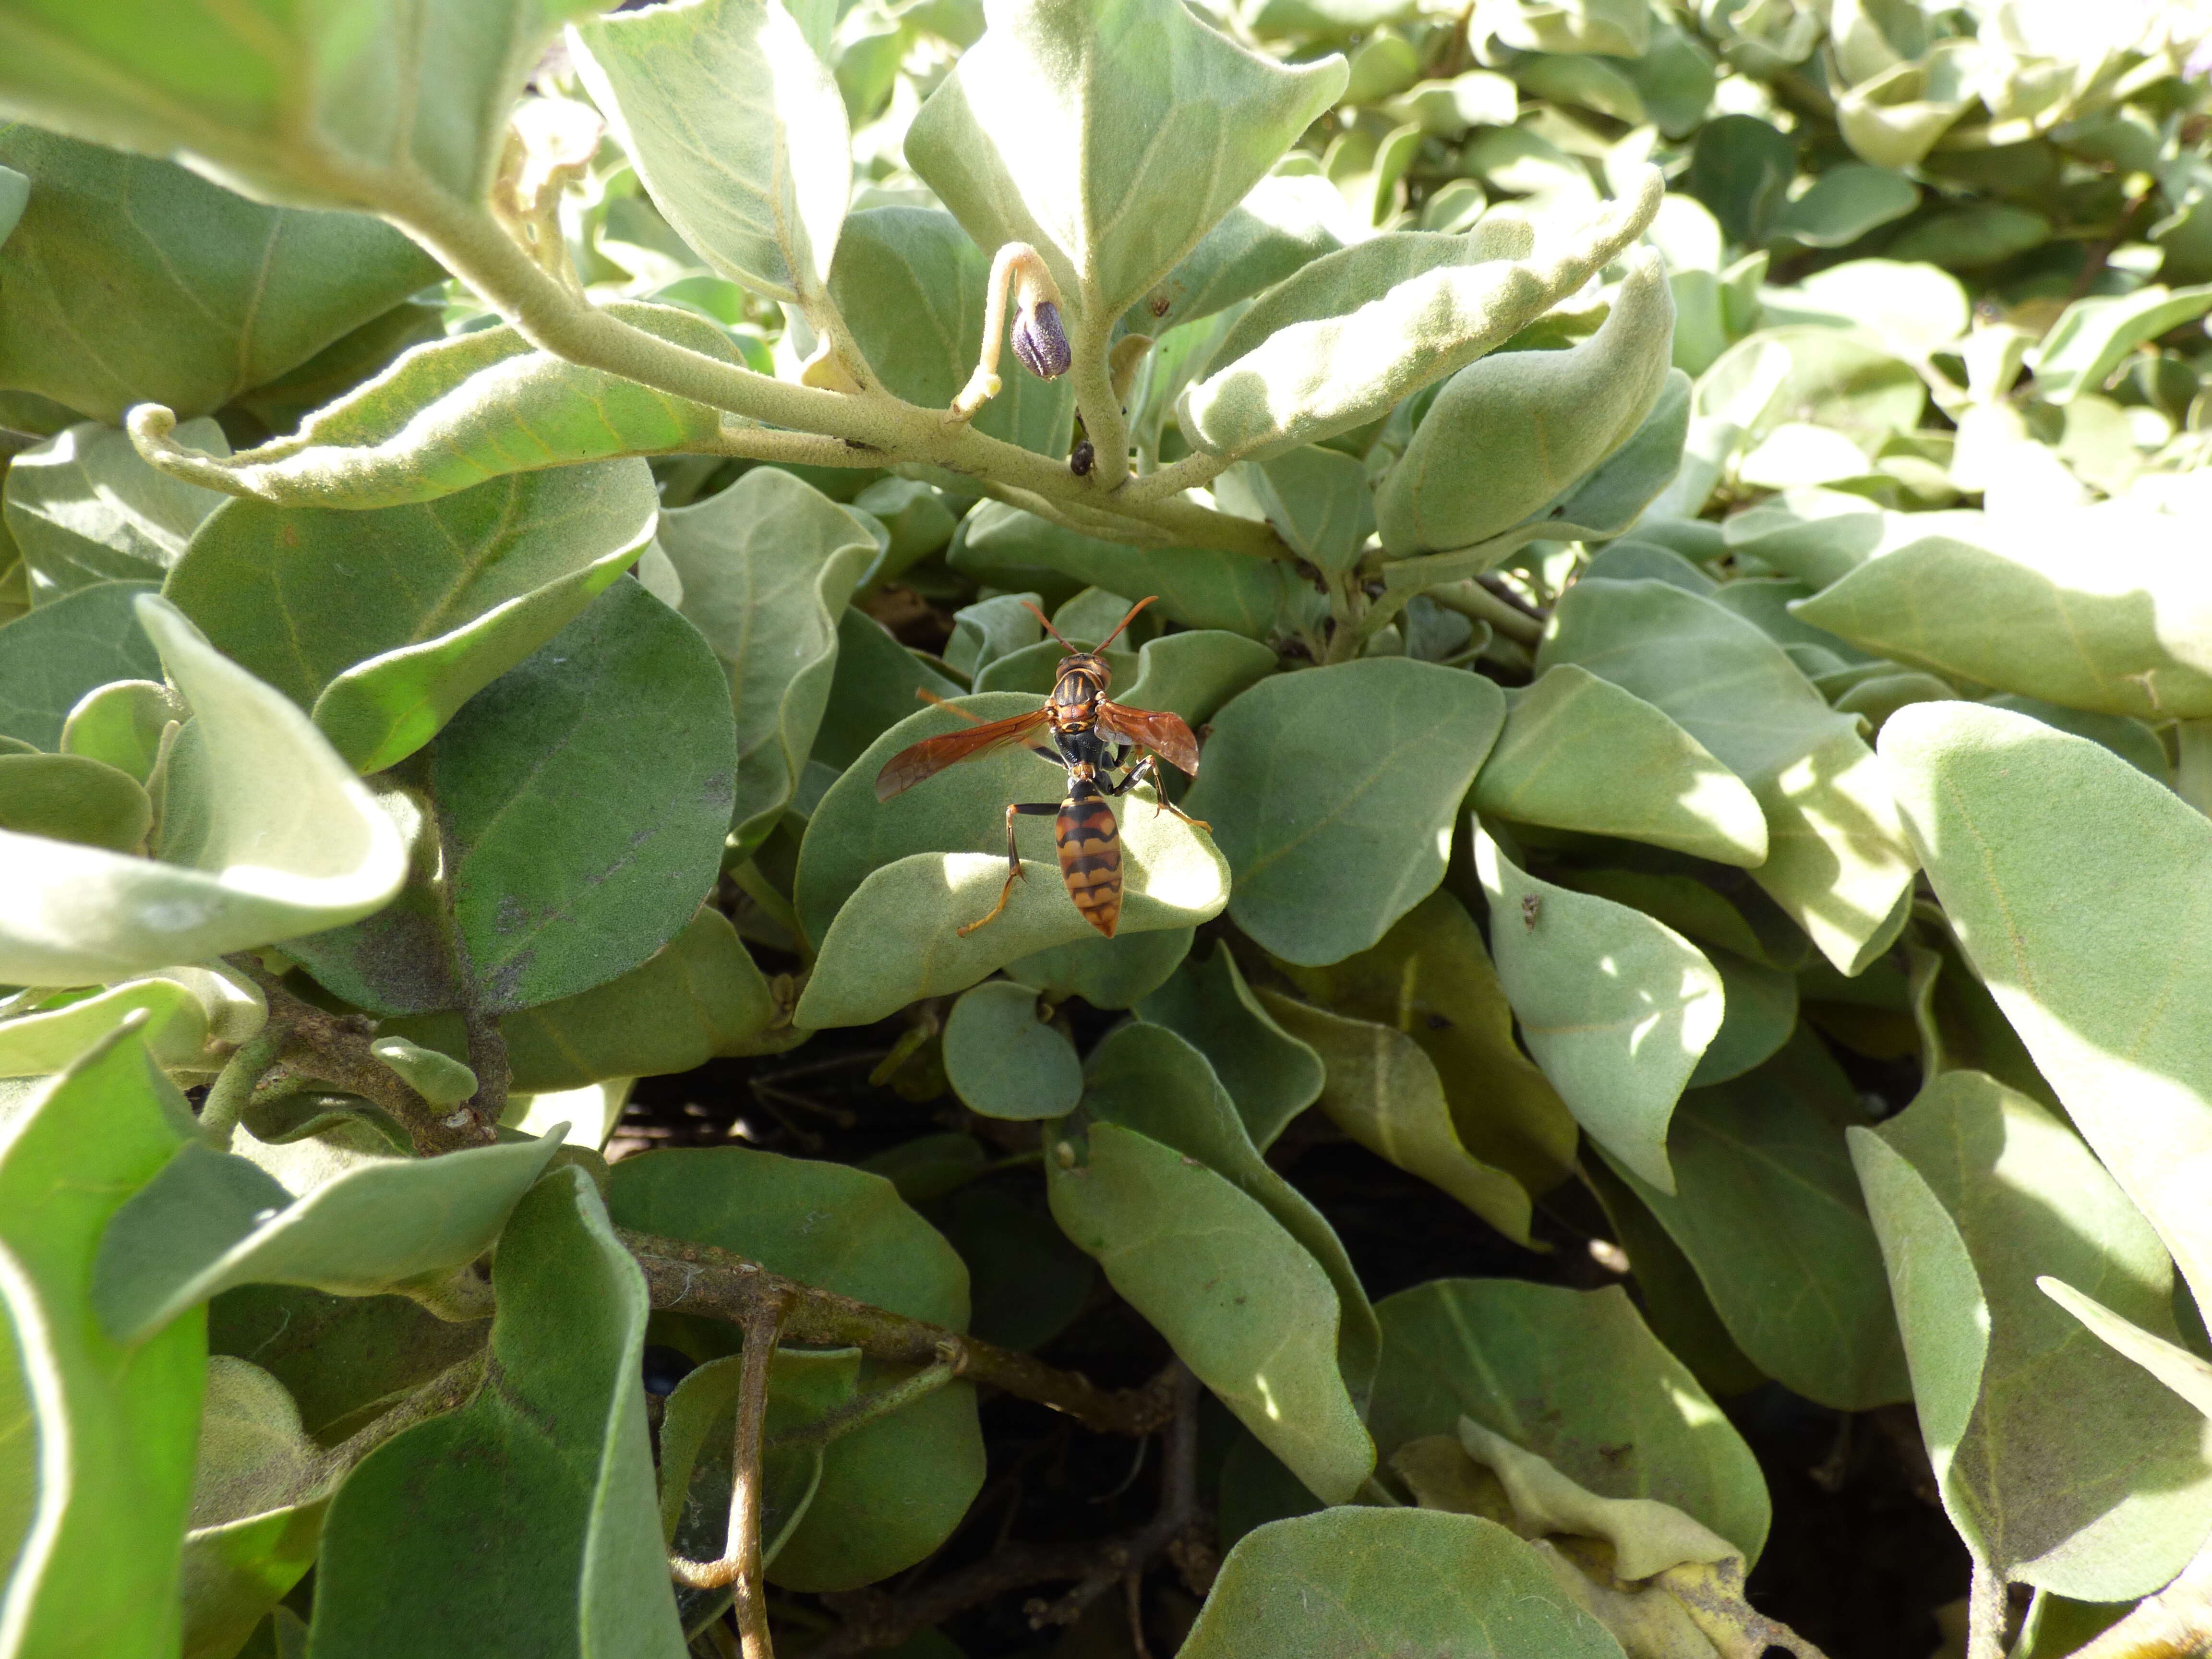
1148 771
1014 871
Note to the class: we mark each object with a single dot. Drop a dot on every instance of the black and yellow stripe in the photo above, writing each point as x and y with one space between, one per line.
1090 845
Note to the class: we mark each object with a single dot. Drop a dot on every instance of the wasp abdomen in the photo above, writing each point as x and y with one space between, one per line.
1090 844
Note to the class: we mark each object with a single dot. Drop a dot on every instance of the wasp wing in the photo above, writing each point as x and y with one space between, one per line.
910 766
1162 732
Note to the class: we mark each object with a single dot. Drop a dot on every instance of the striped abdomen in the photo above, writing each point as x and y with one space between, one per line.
1090 846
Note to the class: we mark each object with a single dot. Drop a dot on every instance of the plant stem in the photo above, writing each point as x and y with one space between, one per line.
472 244
1985 1613
1471 598
740 1566
488 1059
2192 772
335 1049
686 1278
449 1390
232 1088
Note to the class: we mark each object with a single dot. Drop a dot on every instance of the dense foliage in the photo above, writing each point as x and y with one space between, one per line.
1680 526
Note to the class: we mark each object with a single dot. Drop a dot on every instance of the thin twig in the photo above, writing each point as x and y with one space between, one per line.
488 1059
1985 1613
686 1278
739 1567
865 1408
334 1048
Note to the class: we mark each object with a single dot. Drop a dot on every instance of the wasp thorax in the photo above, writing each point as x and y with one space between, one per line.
1040 342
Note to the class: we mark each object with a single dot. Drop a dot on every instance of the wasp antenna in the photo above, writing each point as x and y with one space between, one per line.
1126 621
1048 628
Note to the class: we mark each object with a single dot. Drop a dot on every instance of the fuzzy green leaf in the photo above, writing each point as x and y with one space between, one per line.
268 835
1334 793
1109 137
1578 752
577 840
2080 914
1974 1189
1837 859
1616 1008
736 127
1003 1061
84 506
1272 1075
525 1520
63 651
1246 1306
95 1438
384 622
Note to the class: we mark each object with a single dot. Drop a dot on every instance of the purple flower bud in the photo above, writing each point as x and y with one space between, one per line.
1040 342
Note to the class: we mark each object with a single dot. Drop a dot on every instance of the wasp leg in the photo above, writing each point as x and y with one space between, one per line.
1148 770
1014 871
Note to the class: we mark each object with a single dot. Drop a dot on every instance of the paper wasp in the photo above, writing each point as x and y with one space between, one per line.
1092 737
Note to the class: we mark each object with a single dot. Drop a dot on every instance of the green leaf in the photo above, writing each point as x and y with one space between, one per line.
1430 978
1283 223
1845 379
1333 793
211 1220
767 565
1613 497
991 628
1246 1306
1383 1090
1973 1190
70 798
525 1521
64 650
1106 973
1578 752
872 689
1759 1013
2093 337
1767 1210
1029 1282
736 127
1616 1008
891 1493
1837 859
99 1437
84 508
576 840
457 411
121 723
342 1358
1844 204
2181 1370
2081 918
1576 1377
1319 501
1200 587
1147 1079
1270 1074
269 836
1338 345
385 622
1673 1301
698 996
287 402
1511 432
2092 610
1110 137
311 108
1003 1061
194 1016
1368 1581
223 294
258 1505
911 286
